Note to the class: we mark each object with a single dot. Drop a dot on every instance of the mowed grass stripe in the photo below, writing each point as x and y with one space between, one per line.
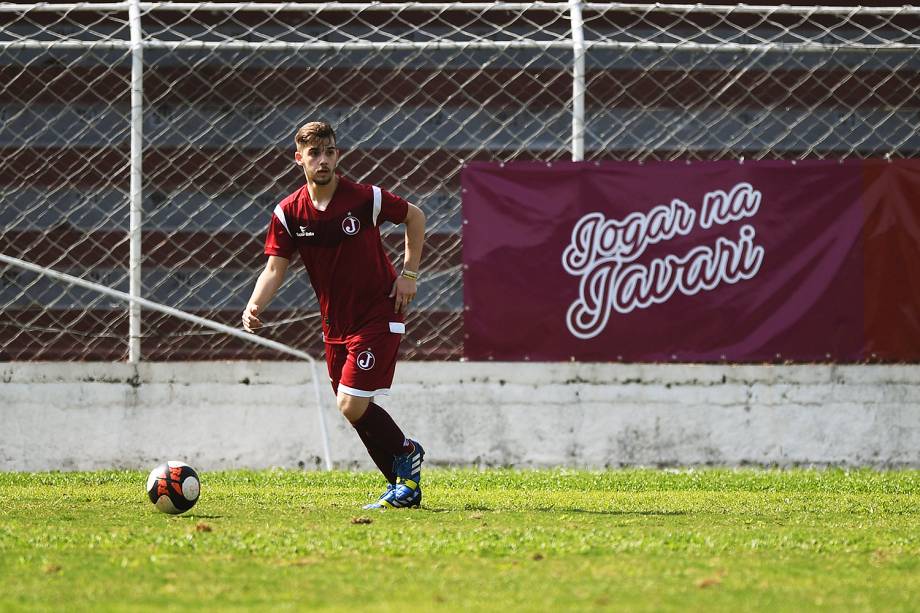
484 540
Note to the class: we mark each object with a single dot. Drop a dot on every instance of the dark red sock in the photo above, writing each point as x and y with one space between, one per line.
382 459
382 438
382 430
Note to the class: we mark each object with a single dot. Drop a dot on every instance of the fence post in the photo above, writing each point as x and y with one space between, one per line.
136 187
578 82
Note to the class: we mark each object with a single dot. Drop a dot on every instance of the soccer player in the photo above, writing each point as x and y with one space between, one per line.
333 223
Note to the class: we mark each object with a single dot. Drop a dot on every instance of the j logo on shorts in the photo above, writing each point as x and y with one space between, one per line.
365 360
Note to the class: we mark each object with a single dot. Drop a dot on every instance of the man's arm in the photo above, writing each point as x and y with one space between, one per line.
404 288
266 285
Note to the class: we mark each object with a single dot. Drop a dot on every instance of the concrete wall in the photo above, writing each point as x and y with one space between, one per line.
61 416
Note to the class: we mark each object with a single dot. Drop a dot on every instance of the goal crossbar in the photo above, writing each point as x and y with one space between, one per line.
354 7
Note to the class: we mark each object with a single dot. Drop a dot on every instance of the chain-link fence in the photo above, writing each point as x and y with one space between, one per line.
415 91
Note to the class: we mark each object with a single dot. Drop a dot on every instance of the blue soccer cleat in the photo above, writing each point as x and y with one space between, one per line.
402 497
377 505
406 492
408 467
398 497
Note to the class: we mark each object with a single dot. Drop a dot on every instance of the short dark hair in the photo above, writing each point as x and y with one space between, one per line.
312 133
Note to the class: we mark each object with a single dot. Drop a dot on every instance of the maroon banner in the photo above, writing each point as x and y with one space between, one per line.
702 262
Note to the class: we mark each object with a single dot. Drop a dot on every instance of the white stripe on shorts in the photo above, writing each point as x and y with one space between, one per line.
363 393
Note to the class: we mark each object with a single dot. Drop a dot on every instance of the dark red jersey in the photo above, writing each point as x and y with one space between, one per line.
343 254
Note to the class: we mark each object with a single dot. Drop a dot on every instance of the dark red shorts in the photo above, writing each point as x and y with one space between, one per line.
364 364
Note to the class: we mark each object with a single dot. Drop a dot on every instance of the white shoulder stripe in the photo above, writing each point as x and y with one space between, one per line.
378 199
280 215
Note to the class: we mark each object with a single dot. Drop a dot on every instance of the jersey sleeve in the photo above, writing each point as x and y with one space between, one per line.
278 241
392 208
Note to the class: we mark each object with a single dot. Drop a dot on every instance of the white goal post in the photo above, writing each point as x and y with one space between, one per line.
199 321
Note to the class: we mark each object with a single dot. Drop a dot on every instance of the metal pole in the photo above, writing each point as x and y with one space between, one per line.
327 455
578 82
606 45
355 7
137 193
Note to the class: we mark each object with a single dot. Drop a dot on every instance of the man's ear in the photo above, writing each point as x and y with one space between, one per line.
298 158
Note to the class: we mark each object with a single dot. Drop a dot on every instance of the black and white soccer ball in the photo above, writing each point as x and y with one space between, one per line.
173 487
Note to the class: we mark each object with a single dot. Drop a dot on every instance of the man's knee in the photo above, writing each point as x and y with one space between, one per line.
352 407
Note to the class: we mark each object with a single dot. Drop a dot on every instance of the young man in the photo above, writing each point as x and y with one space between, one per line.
333 223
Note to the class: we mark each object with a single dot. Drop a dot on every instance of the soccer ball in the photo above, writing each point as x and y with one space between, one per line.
173 487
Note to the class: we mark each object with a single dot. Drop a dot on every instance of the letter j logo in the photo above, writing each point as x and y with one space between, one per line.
365 360
351 225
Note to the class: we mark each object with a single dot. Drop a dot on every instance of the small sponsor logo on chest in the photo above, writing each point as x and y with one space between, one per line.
304 231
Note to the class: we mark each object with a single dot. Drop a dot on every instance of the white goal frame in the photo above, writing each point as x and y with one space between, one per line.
138 302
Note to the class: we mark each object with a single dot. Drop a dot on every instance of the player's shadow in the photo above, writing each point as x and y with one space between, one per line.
482 509
610 512
461 510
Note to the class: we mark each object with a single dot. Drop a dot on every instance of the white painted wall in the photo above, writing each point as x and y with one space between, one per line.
75 416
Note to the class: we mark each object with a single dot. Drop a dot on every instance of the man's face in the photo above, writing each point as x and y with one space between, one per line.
319 160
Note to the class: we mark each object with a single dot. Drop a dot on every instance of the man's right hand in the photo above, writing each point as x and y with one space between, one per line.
251 321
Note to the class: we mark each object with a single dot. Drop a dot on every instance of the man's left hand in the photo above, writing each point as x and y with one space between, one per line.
404 291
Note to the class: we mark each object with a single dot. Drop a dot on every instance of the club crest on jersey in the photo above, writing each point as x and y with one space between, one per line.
365 360
351 225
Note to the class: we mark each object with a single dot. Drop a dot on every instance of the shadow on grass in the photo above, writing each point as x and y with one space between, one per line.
196 516
612 512
557 510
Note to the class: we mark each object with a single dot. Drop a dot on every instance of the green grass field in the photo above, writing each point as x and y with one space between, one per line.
482 541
